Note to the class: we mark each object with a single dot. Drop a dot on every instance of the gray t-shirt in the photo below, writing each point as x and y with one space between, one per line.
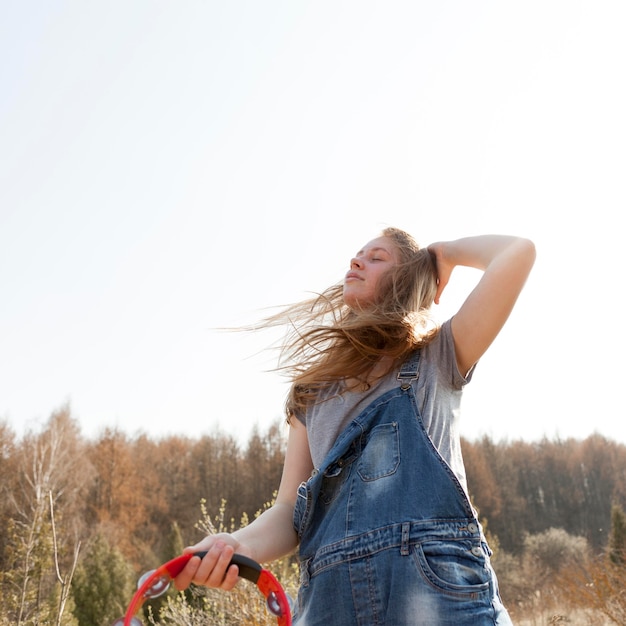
438 392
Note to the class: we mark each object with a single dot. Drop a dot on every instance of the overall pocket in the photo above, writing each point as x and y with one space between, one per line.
453 566
336 474
380 455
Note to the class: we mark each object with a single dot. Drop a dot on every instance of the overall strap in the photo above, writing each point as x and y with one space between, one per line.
409 371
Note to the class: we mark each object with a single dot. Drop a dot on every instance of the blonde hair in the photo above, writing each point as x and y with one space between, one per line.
329 341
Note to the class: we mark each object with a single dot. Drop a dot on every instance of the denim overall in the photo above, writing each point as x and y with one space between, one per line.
387 534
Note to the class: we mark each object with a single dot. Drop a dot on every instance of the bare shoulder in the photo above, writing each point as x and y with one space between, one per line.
298 463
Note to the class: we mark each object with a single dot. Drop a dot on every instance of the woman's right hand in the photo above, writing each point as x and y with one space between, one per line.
213 569
268 537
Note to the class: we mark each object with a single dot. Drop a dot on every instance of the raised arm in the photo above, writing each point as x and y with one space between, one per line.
506 262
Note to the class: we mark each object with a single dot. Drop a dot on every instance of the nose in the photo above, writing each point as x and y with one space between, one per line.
355 262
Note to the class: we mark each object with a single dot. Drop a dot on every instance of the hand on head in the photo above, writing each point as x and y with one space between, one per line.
444 270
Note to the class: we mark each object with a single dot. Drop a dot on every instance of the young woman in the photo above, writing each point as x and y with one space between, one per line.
373 490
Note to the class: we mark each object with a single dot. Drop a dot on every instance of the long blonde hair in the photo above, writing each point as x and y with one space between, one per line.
328 341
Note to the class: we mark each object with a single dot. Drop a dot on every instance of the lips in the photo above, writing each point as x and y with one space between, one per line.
353 276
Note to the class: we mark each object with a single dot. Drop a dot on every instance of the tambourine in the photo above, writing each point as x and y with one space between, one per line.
156 582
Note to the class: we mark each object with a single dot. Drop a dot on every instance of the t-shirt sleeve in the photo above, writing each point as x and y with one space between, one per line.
444 354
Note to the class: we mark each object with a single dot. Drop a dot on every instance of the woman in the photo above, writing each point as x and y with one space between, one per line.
373 489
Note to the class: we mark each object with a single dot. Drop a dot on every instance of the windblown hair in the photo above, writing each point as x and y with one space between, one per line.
329 341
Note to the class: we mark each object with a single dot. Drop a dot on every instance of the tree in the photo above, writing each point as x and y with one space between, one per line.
617 539
599 585
103 584
218 463
171 483
262 468
117 502
172 547
8 474
64 580
174 544
52 472
482 484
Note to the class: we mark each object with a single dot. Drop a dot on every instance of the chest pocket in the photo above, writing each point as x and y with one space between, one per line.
380 452
336 475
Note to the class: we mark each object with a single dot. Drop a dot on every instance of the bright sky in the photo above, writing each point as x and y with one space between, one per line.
168 168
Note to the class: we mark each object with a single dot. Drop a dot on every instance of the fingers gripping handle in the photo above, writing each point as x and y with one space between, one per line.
248 569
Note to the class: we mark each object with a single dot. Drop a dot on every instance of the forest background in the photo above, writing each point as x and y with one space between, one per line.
82 518
167 167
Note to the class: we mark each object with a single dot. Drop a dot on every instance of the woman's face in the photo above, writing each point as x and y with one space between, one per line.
360 286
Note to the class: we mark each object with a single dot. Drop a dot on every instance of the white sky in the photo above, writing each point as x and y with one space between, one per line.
167 168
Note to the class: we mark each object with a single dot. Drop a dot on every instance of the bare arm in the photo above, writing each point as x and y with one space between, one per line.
268 537
506 262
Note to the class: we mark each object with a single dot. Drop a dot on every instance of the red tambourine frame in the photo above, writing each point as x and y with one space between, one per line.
268 585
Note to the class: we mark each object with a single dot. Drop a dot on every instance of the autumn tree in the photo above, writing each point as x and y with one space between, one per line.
599 584
262 467
170 480
483 485
117 502
529 487
52 471
504 507
217 460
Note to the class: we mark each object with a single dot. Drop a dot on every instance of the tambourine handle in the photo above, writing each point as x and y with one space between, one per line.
248 568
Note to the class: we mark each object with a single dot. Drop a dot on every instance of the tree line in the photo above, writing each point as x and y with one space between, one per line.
68 504
524 488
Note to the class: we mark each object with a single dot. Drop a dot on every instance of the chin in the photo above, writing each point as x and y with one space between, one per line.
349 299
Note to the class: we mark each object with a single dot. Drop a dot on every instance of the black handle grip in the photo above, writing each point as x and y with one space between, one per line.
248 568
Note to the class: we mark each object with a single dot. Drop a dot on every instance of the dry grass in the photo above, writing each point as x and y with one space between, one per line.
576 617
